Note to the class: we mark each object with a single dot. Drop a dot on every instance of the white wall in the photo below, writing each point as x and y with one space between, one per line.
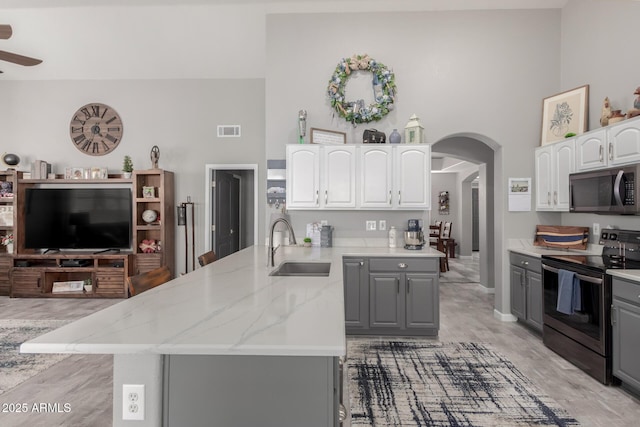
179 116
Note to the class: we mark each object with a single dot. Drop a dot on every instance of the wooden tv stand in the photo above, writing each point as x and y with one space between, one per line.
33 275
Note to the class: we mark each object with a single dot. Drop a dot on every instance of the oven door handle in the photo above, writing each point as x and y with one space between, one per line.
579 276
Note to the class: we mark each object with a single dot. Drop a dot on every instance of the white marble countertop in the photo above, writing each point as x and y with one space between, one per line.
526 247
229 307
633 275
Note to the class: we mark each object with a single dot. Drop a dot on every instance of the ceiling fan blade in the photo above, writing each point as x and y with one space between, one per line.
18 59
5 31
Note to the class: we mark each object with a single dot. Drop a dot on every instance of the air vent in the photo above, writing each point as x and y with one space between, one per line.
228 131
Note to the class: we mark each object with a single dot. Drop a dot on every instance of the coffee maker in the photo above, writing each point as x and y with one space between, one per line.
414 236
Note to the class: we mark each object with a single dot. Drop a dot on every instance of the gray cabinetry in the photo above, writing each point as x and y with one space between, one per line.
389 295
526 289
625 320
356 293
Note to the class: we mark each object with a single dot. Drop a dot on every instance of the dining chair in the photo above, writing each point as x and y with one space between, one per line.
207 258
145 281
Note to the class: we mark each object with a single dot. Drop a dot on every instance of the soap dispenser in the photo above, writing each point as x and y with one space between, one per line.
392 237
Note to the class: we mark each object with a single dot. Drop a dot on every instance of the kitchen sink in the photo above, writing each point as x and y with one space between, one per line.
298 268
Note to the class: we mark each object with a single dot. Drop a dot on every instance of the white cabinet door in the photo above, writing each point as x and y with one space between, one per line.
592 150
544 178
303 176
412 176
554 163
375 178
564 161
624 140
338 189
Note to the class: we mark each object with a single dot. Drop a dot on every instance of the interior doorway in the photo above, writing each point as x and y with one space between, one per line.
231 214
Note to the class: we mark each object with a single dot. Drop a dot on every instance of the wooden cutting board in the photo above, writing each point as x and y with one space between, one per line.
561 236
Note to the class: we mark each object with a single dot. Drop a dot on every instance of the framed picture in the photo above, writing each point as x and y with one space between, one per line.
564 113
327 137
77 173
148 192
96 172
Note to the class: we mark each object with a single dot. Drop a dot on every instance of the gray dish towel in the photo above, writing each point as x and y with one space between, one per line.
569 295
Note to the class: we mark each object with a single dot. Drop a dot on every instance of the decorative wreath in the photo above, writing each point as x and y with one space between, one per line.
384 89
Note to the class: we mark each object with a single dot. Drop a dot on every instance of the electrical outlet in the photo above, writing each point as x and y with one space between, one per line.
371 226
596 229
133 402
382 224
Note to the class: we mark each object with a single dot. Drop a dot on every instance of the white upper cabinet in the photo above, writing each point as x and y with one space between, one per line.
338 185
412 172
303 176
358 176
624 140
376 179
615 145
553 165
592 150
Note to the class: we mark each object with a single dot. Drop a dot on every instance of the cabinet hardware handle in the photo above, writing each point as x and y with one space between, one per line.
548 197
38 282
326 197
555 197
398 284
613 315
409 285
390 196
402 265
610 151
399 197
361 263
317 197
600 152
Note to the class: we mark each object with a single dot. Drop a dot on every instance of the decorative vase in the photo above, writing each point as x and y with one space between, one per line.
9 248
126 175
394 137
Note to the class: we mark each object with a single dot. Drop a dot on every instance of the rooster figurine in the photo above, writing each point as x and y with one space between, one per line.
606 112
635 111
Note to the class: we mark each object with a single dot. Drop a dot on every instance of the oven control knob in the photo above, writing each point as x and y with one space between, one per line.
613 236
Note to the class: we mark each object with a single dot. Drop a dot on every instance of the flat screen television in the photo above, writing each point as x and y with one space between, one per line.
78 218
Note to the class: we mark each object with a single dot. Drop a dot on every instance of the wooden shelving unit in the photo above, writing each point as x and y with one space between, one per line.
8 213
28 273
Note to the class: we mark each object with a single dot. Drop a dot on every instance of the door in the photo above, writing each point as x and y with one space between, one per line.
624 140
226 231
518 295
385 303
303 177
422 291
591 151
412 177
339 177
543 163
564 161
534 300
355 293
375 177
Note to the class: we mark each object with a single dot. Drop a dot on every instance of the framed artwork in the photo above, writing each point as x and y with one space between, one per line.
148 192
77 173
565 113
327 137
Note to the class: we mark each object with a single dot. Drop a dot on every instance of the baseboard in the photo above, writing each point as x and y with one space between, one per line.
487 290
504 317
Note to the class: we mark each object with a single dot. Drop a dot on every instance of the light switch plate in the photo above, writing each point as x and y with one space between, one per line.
371 225
382 224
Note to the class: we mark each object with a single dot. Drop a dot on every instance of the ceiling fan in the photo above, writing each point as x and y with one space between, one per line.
5 33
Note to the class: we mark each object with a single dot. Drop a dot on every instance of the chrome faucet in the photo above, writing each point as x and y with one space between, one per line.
272 250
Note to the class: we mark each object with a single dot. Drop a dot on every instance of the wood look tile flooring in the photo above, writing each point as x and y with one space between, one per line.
466 314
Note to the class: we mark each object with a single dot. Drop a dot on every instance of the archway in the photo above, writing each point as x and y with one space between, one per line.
487 154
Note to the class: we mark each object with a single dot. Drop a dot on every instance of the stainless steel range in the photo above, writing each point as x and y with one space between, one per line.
577 301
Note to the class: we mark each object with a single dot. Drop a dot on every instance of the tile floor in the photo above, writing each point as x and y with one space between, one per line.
466 314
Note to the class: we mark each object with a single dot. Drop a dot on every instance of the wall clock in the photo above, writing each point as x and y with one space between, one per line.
96 129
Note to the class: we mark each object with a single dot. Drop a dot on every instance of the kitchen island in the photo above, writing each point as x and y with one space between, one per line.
227 344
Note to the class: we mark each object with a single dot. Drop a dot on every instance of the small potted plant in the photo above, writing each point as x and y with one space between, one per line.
127 167
307 241
7 240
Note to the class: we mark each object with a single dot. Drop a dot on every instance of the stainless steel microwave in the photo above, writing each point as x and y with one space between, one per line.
606 191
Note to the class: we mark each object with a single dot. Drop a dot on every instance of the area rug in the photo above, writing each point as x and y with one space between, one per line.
417 383
15 367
